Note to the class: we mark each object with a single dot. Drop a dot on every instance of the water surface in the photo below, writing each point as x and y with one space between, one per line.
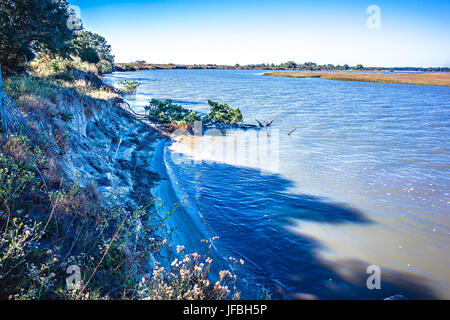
363 180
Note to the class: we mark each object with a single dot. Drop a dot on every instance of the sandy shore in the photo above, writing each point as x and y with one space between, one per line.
189 232
430 79
188 229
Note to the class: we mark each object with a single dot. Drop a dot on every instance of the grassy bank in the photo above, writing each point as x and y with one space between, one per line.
431 79
52 225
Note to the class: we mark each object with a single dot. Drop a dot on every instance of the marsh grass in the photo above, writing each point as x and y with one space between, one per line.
431 79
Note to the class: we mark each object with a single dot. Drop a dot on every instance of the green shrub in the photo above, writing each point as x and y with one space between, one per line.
222 113
128 86
166 111
15 178
31 26
104 67
24 267
91 47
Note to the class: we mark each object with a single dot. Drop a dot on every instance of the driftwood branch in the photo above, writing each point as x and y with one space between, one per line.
266 124
292 131
259 123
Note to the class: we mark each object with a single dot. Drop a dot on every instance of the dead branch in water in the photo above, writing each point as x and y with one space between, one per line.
269 123
292 131
259 123
266 124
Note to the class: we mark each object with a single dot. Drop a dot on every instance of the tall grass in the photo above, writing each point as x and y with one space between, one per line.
56 88
432 79
45 66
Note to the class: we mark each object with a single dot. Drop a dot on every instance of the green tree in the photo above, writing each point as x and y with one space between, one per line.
91 47
140 64
310 65
128 86
28 27
289 64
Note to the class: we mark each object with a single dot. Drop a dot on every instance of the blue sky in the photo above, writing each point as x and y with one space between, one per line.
411 33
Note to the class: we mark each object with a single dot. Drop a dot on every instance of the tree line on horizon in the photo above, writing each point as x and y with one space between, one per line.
289 65
315 66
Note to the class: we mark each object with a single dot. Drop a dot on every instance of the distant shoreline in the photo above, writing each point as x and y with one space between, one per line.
136 66
430 79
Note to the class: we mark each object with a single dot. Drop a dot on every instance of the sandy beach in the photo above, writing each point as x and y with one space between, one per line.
188 229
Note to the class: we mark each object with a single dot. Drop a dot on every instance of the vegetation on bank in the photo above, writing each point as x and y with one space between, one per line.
222 113
47 32
46 222
39 92
166 112
128 86
432 79
43 30
49 223
51 226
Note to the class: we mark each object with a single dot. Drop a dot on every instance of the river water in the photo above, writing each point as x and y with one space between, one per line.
362 180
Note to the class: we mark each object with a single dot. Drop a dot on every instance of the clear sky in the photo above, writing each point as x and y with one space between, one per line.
411 33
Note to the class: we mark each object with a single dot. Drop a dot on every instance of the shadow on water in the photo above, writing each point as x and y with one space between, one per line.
250 213
187 102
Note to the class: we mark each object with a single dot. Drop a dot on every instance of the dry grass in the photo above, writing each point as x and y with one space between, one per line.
74 201
430 79
18 148
45 66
